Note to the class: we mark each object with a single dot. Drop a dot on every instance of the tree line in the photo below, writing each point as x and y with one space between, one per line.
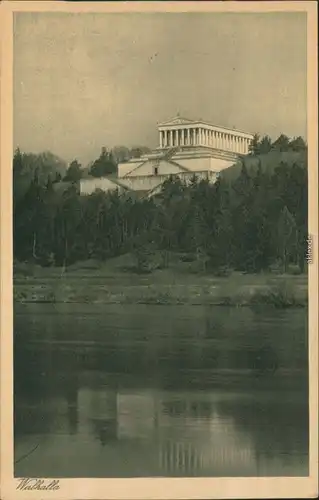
257 220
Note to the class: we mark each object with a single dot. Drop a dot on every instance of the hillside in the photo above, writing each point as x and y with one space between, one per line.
267 161
26 165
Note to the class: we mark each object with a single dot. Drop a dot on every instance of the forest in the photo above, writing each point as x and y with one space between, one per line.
252 219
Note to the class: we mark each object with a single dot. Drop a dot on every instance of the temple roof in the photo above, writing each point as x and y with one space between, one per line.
178 120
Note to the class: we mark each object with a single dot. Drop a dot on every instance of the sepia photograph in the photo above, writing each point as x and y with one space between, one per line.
161 251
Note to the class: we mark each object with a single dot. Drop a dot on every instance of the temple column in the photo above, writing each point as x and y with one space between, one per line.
188 137
171 138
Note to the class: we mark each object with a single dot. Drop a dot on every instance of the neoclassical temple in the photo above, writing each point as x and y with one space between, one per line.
184 132
186 148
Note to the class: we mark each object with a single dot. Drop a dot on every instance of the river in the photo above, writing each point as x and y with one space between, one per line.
151 391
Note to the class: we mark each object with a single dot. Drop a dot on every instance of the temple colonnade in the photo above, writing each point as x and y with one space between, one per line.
200 136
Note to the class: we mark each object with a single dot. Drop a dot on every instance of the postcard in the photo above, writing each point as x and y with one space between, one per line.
159 250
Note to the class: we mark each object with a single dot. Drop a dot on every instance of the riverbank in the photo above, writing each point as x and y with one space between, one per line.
115 284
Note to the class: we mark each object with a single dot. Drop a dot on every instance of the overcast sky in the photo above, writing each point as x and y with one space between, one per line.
83 81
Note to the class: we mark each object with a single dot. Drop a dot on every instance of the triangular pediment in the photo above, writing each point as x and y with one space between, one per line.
178 120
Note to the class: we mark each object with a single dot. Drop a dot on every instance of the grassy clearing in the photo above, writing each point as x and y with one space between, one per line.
114 282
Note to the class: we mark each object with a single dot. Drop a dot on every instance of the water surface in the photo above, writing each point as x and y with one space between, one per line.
128 391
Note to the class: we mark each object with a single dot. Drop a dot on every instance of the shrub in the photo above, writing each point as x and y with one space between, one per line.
188 257
280 296
294 270
222 272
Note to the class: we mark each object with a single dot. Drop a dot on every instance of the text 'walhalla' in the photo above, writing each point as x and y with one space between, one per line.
38 484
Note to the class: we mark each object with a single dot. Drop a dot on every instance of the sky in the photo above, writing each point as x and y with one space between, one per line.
83 81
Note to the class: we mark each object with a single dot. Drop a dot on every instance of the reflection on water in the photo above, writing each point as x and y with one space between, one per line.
160 392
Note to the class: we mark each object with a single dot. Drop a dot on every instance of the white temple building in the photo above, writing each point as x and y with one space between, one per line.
186 148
